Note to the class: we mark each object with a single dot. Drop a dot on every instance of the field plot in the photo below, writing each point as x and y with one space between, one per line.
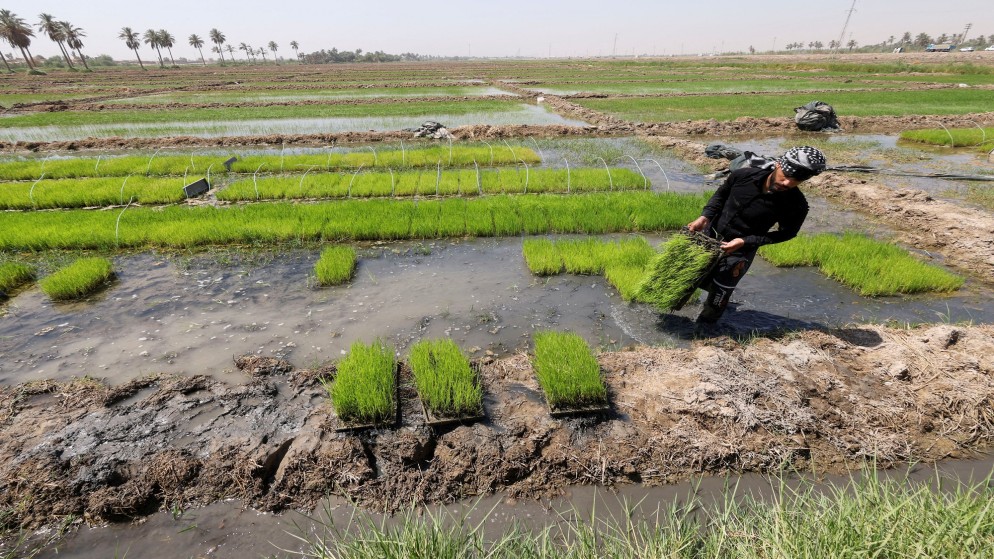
335 226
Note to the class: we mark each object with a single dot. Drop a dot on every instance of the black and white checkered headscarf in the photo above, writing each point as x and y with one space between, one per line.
803 160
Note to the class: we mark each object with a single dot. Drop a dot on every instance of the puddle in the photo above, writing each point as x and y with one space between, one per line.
193 315
227 530
523 114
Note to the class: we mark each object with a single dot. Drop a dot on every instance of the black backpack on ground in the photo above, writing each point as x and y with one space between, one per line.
816 116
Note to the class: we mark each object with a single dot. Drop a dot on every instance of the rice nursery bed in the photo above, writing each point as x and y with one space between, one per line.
14 275
435 183
348 220
623 263
363 391
871 267
981 139
81 193
568 372
335 266
448 386
155 165
77 280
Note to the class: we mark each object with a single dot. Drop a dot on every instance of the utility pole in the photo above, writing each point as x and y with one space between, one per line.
845 25
962 38
614 51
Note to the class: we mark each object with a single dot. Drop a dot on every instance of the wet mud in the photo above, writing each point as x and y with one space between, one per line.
836 398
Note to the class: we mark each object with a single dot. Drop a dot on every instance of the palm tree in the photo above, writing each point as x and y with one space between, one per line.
295 47
197 43
17 33
167 40
262 53
55 32
74 38
151 38
133 41
851 44
231 52
218 39
5 63
246 48
274 47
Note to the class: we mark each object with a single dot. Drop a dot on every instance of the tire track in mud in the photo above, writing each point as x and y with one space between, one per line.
836 398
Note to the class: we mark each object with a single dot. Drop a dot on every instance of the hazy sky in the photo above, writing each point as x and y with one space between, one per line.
505 27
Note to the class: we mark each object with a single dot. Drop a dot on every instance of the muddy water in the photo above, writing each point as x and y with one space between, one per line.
192 315
229 530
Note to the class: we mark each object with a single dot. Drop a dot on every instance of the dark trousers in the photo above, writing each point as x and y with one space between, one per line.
721 282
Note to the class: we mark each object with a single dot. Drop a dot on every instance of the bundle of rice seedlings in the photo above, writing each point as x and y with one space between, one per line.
673 274
567 371
336 265
78 279
13 275
363 389
445 381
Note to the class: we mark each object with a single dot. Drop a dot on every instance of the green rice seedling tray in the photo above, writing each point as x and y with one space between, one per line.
432 420
346 427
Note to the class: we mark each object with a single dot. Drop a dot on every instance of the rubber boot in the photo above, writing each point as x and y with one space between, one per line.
715 303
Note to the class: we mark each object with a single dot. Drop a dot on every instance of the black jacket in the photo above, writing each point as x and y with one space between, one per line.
740 209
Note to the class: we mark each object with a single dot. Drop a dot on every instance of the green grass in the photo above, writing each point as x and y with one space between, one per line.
980 138
871 267
445 381
868 518
77 280
730 107
433 183
347 220
157 165
673 273
710 86
336 265
363 391
254 95
13 275
92 118
567 371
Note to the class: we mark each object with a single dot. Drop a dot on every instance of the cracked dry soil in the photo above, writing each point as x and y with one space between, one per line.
827 399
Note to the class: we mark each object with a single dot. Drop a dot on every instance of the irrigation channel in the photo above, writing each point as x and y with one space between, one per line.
187 315
230 529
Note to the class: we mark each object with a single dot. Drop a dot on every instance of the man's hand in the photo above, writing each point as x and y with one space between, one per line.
698 224
733 245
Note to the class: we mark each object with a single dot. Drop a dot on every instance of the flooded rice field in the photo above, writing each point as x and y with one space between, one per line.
524 114
191 315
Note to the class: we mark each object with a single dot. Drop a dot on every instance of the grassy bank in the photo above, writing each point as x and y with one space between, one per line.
871 518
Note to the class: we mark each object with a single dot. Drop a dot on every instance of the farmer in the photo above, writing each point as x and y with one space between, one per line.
742 212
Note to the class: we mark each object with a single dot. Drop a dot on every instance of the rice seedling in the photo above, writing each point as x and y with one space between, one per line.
81 193
446 383
191 164
78 279
542 257
364 389
979 138
873 268
346 220
13 275
336 265
672 275
567 371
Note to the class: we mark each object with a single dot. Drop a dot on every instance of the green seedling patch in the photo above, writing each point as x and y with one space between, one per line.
13 276
336 265
449 387
871 267
568 373
79 279
364 390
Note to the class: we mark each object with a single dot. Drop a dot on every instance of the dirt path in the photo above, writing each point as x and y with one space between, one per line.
835 399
